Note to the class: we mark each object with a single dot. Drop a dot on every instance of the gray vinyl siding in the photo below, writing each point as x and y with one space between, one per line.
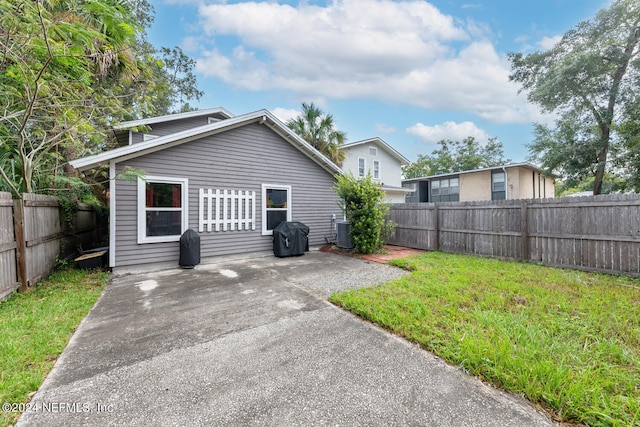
173 126
239 159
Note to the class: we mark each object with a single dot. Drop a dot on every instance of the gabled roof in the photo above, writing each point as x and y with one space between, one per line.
380 142
171 117
444 175
262 117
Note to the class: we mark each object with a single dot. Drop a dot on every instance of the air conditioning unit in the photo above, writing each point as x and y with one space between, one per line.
343 236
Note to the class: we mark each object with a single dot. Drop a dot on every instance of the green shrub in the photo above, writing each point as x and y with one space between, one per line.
362 202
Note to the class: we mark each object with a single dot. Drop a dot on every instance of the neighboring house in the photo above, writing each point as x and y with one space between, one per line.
512 181
376 157
232 181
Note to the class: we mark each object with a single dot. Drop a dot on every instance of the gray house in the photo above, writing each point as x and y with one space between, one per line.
230 178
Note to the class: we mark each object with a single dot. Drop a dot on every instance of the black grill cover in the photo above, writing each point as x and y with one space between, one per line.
189 249
290 238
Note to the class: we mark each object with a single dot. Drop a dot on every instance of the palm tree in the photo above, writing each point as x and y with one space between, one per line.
317 128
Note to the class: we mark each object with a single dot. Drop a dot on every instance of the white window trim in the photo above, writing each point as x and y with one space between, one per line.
364 167
263 198
374 169
142 209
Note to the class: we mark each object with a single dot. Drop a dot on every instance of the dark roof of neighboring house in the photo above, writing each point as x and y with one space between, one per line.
376 140
263 117
444 175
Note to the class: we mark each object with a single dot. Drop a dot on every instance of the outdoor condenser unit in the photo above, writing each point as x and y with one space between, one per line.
343 238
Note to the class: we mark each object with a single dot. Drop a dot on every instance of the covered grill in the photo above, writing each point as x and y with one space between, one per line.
290 238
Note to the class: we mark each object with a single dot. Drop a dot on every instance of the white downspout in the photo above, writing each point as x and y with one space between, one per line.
506 184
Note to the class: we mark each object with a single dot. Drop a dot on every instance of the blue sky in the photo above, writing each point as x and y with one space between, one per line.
410 72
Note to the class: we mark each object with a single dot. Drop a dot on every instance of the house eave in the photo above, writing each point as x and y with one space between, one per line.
172 117
448 174
261 117
377 140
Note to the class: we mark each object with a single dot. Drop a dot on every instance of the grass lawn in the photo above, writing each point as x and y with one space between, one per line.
566 340
35 327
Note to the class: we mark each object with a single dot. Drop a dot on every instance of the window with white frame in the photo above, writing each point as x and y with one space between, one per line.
498 185
276 206
361 167
376 169
162 209
373 151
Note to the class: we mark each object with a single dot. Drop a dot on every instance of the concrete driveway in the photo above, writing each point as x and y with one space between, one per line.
254 342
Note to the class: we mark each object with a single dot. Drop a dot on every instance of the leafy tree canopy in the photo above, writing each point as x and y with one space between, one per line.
457 156
590 80
69 69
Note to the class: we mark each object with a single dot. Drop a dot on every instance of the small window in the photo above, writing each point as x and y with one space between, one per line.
373 151
162 209
376 169
498 185
276 206
148 137
361 167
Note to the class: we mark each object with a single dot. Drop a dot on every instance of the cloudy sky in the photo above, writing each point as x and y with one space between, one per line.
410 72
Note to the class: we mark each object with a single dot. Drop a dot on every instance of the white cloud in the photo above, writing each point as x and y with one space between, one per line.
400 52
448 130
548 42
285 114
379 127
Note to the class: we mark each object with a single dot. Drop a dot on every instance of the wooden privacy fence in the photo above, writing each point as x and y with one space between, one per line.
600 233
32 236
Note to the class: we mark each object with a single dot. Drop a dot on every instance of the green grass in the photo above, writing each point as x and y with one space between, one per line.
35 327
566 340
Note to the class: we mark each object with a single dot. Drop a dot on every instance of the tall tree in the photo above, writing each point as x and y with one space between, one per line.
176 82
317 128
590 80
457 156
52 56
68 70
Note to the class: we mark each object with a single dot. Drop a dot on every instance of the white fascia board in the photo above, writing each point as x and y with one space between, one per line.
171 117
388 148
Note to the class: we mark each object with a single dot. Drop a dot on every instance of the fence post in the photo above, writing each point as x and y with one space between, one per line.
436 226
21 246
524 228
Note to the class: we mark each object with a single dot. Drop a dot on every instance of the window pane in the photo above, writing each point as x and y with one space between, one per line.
497 177
435 184
160 195
165 223
453 182
274 218
276 198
